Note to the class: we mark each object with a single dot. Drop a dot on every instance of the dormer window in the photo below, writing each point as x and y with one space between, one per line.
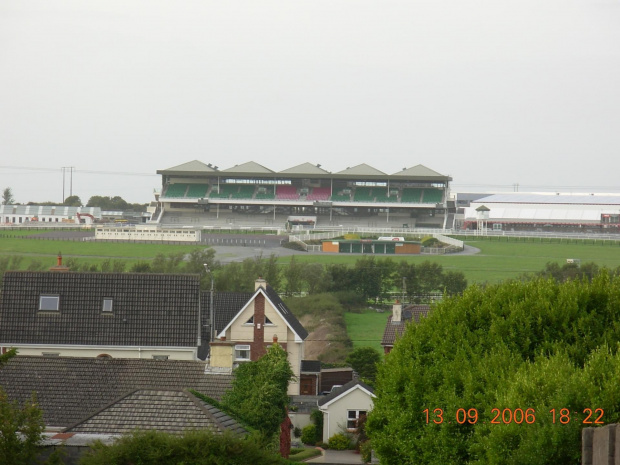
49 303
107 305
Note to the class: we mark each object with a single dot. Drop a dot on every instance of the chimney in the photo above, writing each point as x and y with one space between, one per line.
397 310
260 282
59 266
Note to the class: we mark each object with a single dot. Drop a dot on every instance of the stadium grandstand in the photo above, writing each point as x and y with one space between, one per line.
198 194
544 212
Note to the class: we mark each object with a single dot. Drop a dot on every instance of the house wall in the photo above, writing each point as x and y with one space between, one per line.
222 355
176 353
240 332
335 415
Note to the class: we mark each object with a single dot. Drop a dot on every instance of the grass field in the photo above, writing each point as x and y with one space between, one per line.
366 328
500 260
86 252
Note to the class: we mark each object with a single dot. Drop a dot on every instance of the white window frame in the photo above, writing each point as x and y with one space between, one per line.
239 348
49 296
111 305
357 414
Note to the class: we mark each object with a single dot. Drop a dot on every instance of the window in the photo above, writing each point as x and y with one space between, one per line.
353 416
250 321
242 352
49 303
107 305
268 321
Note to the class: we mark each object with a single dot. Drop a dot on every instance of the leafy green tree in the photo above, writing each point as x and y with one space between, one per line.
314 277
365 361
21 427
259 392
536 345
338 277
368 277
73 201
430 277
454 282
7 196
294 273
198 447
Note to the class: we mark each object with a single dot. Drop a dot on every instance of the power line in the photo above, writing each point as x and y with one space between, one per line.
55 170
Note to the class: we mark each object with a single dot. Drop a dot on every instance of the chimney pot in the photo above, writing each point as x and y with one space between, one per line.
275 338
223 338
260 282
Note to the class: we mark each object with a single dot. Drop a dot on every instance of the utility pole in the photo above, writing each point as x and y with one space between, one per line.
64 168
211 323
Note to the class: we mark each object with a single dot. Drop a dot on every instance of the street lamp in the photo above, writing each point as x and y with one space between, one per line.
211 323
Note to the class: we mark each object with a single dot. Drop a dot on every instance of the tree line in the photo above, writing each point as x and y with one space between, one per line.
106 203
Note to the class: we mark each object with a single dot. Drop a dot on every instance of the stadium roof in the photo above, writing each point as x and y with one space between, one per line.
190 167
252 169
249 168
306 168
419 170
362 170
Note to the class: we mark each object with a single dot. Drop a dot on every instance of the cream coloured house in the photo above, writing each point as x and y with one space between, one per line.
261 321
344 406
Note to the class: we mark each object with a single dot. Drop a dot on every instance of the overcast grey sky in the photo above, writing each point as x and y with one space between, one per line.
490 92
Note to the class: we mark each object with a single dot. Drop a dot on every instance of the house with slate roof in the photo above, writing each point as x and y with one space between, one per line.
398 321
135 315
344 406
263 320
119 315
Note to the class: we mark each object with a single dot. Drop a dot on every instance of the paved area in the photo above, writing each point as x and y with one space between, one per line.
337 457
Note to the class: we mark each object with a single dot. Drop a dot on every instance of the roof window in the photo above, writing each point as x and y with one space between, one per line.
49 303
107 305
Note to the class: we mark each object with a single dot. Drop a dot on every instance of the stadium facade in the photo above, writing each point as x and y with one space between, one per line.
199 194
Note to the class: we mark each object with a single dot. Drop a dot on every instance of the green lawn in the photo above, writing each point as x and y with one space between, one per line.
499 260
366 328
93 252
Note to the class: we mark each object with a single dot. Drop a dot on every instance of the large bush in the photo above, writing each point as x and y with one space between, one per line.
195 447
537 345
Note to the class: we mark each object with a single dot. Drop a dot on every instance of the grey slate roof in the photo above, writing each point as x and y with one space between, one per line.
286 313
225 306
394 330
70 389
148 309
342 389
310 366
552 199
163 410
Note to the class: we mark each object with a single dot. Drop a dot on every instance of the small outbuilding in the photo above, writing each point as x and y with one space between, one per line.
344 406
388 246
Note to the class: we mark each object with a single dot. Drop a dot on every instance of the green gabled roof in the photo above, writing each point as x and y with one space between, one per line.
362 170
419 170
305 168
250 167
192 167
